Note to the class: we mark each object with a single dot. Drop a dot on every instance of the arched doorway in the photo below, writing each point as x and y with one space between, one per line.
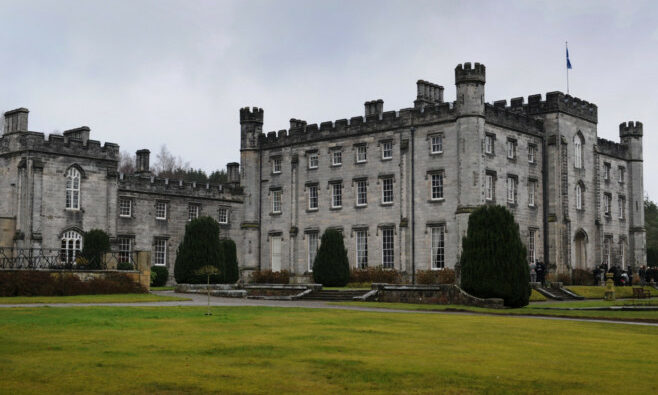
580 249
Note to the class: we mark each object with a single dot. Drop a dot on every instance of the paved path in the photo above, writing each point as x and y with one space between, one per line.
202 300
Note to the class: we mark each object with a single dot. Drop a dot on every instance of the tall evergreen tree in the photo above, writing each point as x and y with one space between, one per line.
95 244
230 272
331 267
493 260
200 247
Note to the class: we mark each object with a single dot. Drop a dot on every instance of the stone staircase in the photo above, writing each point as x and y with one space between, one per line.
557 292
334 295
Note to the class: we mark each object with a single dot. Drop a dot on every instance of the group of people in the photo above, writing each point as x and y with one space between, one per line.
537 272
623 277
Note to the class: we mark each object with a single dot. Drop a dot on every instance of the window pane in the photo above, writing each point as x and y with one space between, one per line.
387 248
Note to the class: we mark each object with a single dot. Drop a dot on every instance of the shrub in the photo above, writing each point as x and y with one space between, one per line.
230 272
95 244
493 257
564 278
200 247
374 275
159 276
582 277
428 277
652 257
270 277
42 283
331 267
125 266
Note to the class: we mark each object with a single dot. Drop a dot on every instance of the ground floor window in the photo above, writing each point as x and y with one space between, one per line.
275 244
361 249
125 249
531 246
160 252
606 251
438 246
388 245
312 240
70 247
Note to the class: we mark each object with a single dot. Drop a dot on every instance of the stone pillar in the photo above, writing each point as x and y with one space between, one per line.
143 263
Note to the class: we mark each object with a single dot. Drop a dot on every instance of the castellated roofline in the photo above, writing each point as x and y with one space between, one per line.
465 73
612 148
150 184
59 144
555 102
254 114
630 128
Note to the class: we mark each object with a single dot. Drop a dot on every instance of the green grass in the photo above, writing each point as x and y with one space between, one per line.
113 298
171 350
166 288
536 296
597 292
534 310
600 303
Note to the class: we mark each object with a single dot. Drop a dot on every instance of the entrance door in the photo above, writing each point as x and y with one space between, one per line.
275 244
580 242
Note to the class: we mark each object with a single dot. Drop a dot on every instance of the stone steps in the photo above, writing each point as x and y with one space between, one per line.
334 295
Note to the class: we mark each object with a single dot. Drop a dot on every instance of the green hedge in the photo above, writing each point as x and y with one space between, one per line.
331 267
159 276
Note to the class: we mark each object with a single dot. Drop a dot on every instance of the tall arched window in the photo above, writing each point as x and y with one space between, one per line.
71 246
73 189
579 196
578 151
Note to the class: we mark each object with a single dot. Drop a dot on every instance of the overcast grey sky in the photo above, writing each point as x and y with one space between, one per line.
146 73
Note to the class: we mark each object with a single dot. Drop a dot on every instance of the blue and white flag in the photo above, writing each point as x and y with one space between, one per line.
568 62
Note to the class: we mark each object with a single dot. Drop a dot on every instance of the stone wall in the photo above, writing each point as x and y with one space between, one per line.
444 294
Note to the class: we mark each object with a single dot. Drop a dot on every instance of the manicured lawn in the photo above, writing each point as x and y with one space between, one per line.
167 350
597 292
535 310
537 297
113 298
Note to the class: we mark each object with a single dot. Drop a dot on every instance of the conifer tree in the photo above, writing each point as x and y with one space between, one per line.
493 260
331 267
95 244
230 272
200 247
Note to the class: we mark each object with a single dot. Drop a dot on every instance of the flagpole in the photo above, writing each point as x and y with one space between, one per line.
566 46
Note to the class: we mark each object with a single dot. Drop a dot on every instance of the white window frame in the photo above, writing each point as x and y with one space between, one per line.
70 248
73 178
336 158
388 248
125 207
313 202
532 189
361 193
223 215
532 252
621 171
312 246
387 150
437 247
192 212
488 144
511 149
361 249
276 201
606 171
361 153
579 197
622 207
337 195
276 165
387 190
511 189
532 152
436 186
489 187
578 152
313 160
436 144
160 210
160 252
125 248
606 204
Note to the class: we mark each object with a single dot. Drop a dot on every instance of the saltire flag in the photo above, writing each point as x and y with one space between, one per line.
568 62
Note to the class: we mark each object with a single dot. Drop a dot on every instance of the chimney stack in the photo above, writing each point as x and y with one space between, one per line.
374 108
142 165
428 93
233 172
16 120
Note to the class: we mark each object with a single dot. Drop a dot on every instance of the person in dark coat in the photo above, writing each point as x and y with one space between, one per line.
643 275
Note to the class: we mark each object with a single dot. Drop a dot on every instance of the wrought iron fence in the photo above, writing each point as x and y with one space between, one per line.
61 259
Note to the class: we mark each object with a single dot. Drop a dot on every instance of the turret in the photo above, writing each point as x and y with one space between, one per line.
16 120
470 82
630 134
251 126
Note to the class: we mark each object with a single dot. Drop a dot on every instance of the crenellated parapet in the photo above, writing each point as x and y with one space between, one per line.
58 145
467 73
301 133
254 114
630 129
555 102
611 148
502 116
179 188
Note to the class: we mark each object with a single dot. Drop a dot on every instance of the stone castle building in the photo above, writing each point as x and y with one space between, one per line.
400 185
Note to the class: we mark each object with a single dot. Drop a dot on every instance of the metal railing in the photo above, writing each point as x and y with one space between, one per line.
57 259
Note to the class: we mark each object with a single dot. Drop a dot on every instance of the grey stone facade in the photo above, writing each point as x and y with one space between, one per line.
531 145
400 184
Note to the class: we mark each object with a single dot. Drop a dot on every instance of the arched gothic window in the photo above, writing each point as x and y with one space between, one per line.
579 196
73 189
578 151
71 247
